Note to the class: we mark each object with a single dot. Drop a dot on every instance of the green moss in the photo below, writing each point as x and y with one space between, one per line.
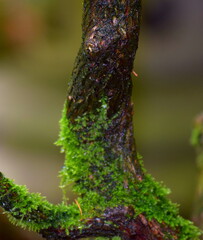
104 238
98 177
87 166
32 211
85 153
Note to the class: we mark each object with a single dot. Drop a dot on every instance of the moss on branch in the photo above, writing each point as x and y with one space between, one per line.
32 211
116 196
93 176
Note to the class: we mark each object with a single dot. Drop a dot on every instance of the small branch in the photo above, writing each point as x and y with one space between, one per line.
32 211
53 222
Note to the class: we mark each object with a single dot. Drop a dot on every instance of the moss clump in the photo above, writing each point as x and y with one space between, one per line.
99 178
32 211
85 148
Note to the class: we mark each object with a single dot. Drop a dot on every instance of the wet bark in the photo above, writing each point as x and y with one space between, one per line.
103 68
101 80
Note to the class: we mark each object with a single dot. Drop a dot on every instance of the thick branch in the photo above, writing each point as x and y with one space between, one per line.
103 70
34 212
119 222
116 195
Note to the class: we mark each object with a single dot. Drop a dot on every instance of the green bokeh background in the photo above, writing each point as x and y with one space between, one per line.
39 40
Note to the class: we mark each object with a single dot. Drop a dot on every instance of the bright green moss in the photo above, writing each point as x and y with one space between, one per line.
32 211
98 178
84 145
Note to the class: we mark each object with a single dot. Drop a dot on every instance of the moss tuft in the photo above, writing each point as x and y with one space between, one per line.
93 172
98 179
32 211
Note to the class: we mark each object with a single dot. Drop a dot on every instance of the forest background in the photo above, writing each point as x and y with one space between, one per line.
39 40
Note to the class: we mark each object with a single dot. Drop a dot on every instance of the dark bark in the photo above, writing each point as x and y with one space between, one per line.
121 225
103 68
131 204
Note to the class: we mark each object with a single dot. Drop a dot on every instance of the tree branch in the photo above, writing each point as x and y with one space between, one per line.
116 195
32 211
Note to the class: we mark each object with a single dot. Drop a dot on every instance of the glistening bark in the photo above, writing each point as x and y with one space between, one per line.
103 69
102 78
116 195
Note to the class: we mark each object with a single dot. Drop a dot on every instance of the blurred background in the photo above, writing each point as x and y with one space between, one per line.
39 40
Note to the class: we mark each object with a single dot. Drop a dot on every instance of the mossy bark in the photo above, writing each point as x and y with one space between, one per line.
103 70
108 174
117 198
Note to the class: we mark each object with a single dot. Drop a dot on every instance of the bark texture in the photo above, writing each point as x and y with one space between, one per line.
117 198
103 69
